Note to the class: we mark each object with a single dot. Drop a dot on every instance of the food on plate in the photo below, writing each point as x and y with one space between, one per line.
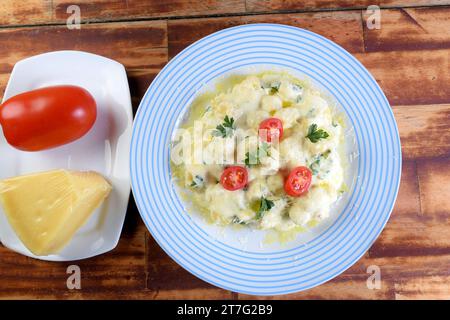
48 117
272 153
46 209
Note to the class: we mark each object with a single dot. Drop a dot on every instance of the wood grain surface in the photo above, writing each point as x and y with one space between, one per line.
286 5
409 56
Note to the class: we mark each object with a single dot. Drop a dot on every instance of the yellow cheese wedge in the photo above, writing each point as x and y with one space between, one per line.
46 209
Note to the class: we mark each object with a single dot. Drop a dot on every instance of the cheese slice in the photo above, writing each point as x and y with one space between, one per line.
46 209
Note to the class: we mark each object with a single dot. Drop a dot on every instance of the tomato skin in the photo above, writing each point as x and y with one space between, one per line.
48 117
234 178
298 181
271 125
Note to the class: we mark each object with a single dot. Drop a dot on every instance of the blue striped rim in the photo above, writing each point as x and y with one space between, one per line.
205 261
219 259
177 208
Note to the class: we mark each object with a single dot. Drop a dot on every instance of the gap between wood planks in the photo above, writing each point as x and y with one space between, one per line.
416 173
220 15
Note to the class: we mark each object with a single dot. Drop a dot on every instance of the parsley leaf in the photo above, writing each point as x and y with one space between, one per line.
226 129
265 205
315 165
314 134
254 158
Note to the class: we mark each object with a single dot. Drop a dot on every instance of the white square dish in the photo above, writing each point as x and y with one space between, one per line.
104 149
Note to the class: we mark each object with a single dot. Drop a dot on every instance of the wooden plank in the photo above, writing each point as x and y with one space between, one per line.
425 288
341 27
112 40
419 277
410 29
182 33
343 287
287 5
101 10
424 130
47 11
140 46
434 177
411 77
170 281
419 224
25 12
117 274
407 232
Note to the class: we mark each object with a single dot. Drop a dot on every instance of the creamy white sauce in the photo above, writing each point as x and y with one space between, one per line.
248 102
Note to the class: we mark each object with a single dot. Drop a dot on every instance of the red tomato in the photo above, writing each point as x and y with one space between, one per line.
271 127
234 178
48 117
298 181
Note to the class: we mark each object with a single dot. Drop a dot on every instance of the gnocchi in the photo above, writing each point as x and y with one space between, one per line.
310 137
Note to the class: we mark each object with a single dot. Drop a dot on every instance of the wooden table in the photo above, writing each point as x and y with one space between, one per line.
409 57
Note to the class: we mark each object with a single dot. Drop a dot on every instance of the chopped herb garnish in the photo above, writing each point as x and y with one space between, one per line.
274 87
197 182
264 206
315 165
314 134
226 129
325 154
254 158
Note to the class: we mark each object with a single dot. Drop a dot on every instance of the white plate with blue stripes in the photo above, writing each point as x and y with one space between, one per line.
235 259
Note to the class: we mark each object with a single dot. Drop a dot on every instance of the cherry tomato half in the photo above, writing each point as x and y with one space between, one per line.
298 181
234 178
269 128
48 117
